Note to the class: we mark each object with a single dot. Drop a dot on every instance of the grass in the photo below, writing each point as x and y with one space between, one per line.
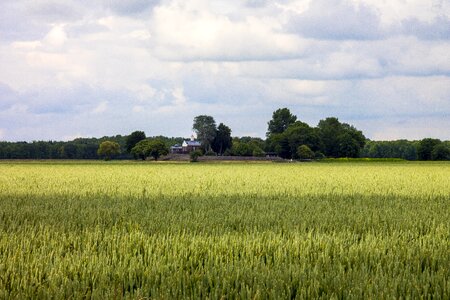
164 231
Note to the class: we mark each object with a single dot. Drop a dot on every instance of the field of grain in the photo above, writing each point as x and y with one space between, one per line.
238 230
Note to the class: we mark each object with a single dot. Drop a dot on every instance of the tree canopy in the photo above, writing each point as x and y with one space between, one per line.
222 141
107 149
134 138
281 119
205 128
150 147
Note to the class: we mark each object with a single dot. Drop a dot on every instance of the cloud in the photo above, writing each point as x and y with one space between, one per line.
337 20
438 28
186 34
129 7
155 65
101 108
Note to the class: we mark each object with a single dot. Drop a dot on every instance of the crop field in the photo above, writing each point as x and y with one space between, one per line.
224 230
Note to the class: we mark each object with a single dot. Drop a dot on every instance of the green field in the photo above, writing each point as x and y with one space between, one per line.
237 230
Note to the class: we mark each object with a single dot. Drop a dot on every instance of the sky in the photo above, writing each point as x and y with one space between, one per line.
79 68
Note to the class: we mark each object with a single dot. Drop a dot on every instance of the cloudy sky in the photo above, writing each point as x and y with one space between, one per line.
71 68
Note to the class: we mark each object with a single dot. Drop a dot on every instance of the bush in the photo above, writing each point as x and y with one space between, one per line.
319 155
258 152
304 152
194 155
210 153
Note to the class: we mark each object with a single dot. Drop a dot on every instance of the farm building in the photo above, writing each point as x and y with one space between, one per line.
187 147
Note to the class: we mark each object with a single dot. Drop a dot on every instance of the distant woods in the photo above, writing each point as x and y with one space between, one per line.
286 137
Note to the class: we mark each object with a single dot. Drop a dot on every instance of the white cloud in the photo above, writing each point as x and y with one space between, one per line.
100 108
56 36
185 33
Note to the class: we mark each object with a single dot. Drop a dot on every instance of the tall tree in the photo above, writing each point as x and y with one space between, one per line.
205 128
107 149
281 119
340 139
223 140
330 129
134 138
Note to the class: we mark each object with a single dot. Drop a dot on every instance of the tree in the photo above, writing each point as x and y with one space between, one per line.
425 148
134 138
304 152
329 129
108 149
69 150
140 150
347 146
223 140
440 152
205 128
281 119
157 148
279 143
154 148
301 133
340 139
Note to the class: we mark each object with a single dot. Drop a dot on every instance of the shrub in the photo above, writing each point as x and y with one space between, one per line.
304 152
210 153
194 155
258 152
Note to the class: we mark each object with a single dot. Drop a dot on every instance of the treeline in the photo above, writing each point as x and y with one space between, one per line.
425 149
80 148
286 137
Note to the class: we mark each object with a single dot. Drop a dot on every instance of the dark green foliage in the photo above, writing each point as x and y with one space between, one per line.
425 148
222 140
279 143
258 152
299 134
108 149
210 153
340 139
347 145
247 146
134 138
390 149
205 127
281 119
440 151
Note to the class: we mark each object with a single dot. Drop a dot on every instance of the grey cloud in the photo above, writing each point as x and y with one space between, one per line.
256 3
17 24
337 20
439 28
129 7
55 11
31 20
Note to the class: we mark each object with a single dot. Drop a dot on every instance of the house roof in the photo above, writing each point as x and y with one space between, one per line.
193 143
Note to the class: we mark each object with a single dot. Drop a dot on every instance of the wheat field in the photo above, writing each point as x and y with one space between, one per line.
224 230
